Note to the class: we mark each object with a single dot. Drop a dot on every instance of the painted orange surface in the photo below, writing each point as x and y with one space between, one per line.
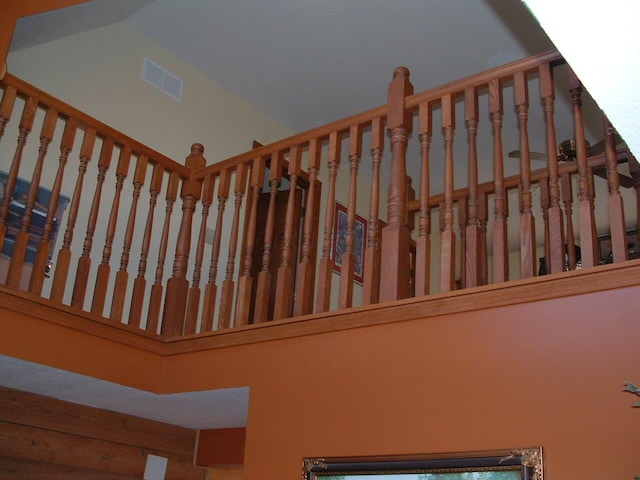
546 373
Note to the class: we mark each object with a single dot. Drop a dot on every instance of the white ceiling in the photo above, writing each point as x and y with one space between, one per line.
309 62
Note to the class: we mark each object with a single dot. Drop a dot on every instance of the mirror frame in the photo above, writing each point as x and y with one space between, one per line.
527 460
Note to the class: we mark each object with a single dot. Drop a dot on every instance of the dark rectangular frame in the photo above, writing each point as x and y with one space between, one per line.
527 460
632 238
360 240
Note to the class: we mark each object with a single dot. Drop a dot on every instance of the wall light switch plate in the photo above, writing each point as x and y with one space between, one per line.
156 468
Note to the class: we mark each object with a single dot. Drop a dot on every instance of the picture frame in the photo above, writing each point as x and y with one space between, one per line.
339 239
633 247
520 464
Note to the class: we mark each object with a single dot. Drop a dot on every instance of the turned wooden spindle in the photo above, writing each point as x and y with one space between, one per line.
555 257
140 283
104 269
245 283
448 242
122 275
6 107
211 288
193 298
24 128
175 302
228 284
44 245
616 207
22 238
305 279
588 244
84 262
263 304
422 281
500 246
371 284
64 255
483 216
545 203
396 238
155 299
634 171
348 260
285 275
527 221
569 250
463 222
471 259
323 296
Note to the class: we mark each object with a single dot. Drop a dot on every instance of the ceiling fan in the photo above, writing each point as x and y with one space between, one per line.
567 153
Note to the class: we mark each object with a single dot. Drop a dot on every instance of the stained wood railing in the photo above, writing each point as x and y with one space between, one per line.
258 237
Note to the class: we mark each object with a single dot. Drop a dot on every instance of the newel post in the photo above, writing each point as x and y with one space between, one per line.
175 303
394 284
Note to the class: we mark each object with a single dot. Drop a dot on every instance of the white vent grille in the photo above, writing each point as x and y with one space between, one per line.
160 78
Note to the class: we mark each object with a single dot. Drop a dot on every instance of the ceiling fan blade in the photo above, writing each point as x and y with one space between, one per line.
532 155
625 181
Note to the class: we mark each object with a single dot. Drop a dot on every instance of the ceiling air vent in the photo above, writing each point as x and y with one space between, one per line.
161 79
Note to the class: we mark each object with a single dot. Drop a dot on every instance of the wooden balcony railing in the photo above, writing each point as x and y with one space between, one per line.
258 237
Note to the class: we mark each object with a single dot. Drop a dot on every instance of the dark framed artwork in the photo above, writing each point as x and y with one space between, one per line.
633 247
516 464
339 235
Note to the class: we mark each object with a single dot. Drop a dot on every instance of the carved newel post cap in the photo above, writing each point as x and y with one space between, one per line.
401 72
197 149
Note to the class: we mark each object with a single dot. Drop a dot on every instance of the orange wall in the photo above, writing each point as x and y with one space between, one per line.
548 373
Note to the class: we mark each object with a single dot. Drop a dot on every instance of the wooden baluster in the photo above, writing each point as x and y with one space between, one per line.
211 288
155 299
193 298
24 128
263 287
140 283
588 244
228 284
323 296
84 262
448 243
44 245
423 243
175 301
472 259
122 275
501 205
463 222
64 255
616 207
22 238
371 284
555 257
545 203
348 260
527 221
284 280
6 107
634 171
245 283
305 279
483 216
569 250
396 238
104 269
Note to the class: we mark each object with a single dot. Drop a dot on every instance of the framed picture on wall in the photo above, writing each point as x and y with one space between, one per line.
339 240
633 247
